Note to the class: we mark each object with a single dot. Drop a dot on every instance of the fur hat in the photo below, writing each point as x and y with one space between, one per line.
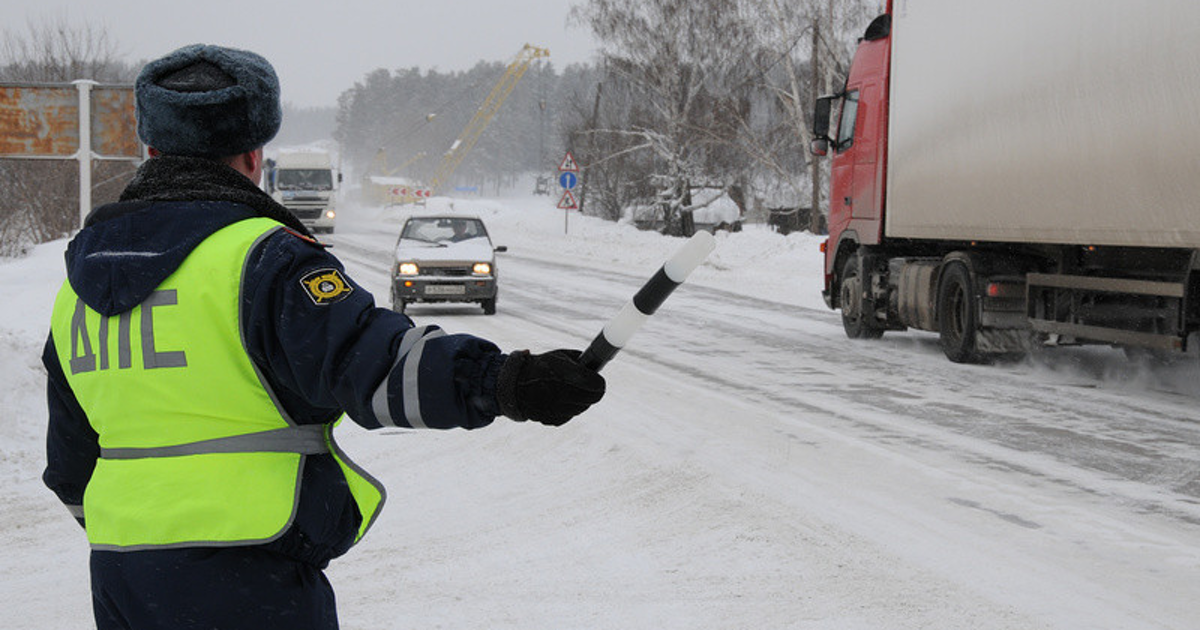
208 101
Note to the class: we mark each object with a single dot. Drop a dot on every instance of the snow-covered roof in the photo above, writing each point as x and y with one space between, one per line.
721 209
389 181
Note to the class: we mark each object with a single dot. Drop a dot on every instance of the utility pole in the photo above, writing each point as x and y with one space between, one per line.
831 30
541 161
589 157
542 132
814 214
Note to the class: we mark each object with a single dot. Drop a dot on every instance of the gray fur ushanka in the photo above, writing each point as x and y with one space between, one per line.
236 116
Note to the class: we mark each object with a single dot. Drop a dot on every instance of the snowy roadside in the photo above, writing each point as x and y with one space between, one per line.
750 482
45 562
756 262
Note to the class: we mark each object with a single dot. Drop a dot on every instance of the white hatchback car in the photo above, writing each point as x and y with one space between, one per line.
445 258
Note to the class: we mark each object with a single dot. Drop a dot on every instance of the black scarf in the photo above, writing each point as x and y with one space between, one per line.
178 178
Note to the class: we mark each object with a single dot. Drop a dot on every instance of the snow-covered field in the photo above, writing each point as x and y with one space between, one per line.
750 467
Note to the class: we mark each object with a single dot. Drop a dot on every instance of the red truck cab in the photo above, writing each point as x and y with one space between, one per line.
859 169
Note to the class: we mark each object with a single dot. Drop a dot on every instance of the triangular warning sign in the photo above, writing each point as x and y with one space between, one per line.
568 163
567 202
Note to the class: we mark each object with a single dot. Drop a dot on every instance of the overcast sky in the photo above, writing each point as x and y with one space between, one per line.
321 47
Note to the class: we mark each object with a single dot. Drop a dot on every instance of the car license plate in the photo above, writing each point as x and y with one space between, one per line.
445 289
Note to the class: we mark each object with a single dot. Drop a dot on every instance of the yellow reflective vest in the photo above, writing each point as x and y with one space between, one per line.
194 449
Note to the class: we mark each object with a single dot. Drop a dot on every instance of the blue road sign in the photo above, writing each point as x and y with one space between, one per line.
568 180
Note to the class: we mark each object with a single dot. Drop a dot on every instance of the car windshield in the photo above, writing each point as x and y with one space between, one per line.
443 230
304 179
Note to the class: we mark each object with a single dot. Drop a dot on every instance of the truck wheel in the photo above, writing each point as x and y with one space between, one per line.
857 324
958 310
489 306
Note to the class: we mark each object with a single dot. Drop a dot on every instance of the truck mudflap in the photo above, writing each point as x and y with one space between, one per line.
994 341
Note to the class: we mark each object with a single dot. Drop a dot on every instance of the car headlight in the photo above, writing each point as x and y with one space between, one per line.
407 269
482 269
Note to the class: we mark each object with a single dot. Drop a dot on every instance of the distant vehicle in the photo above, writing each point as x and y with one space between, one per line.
445 258
304 182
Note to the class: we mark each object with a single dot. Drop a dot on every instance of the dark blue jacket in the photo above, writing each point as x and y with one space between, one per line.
320 359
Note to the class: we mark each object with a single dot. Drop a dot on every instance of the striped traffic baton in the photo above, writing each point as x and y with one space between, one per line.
619 329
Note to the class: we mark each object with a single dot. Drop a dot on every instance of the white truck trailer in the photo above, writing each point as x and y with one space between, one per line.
1018 173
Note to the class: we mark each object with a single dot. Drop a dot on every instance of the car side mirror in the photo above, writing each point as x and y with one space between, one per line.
819 147
500 249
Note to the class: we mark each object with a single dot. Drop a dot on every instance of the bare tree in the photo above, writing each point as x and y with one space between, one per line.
616 171
805 52
682 61
54 50
721 90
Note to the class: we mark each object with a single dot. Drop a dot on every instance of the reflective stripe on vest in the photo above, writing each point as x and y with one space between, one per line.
194 448
305 439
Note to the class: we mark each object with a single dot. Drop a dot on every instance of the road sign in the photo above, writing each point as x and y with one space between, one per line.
568 164
567 202
568 180
415 193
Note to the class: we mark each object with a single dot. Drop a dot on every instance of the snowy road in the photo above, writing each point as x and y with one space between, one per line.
1030 495
750 468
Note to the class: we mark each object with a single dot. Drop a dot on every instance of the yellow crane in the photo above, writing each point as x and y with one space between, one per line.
378 185
379 165
474 129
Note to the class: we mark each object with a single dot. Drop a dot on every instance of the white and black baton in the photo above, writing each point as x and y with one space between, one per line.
619 329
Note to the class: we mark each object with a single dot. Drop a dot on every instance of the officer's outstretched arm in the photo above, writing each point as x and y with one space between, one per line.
319 339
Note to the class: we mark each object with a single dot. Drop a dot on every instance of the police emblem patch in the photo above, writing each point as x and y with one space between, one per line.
326 286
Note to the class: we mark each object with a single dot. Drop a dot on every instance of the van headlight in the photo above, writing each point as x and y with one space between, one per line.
482 269
407 269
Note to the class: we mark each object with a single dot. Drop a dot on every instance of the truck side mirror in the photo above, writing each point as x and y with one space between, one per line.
821 112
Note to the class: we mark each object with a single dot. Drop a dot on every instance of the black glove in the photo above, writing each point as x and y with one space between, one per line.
550 388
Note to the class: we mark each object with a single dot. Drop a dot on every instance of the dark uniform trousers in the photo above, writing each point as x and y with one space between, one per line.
218 588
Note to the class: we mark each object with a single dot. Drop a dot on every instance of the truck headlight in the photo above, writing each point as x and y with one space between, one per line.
482 269
407 269
330 214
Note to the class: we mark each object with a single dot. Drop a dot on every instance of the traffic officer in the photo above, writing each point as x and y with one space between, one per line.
201 350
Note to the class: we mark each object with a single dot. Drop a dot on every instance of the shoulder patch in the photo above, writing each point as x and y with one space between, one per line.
326 286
